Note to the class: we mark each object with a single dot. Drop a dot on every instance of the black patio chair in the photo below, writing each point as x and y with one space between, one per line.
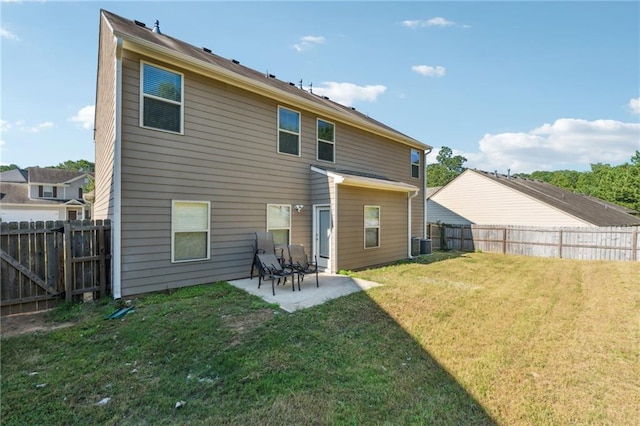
263 244
300 262
271 268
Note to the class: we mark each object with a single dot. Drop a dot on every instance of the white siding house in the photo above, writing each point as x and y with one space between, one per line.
481 198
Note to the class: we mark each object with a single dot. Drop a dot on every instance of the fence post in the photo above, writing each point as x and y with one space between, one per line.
504 240
103 260
68 271
634 244
560 244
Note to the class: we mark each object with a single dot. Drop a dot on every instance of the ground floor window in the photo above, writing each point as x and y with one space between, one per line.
190 230
279 222
371 226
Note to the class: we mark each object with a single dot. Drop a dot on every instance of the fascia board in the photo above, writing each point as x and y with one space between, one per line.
364 182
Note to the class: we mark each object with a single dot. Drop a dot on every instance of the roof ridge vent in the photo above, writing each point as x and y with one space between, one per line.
140 24
156 27
235 61
206 50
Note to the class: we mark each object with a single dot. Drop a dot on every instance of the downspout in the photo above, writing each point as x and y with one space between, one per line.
409 198
424 211
116 228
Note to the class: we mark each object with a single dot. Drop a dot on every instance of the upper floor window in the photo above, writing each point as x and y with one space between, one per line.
326 141
371 226
279 222
161 101
415 163
47 191
288 131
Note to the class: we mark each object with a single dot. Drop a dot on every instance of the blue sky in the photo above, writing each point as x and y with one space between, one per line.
509 85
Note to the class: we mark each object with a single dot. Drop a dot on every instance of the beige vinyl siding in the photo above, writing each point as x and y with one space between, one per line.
228 156
233 166
322 189
485 202
439 213
393 227
357 150
105 125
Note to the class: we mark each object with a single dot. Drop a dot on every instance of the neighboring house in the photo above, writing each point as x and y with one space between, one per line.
195 153
41 194
477 197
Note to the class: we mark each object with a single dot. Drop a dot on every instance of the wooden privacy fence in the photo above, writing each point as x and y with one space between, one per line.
606 243
44 263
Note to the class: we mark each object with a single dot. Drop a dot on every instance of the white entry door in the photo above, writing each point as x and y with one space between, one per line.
322 236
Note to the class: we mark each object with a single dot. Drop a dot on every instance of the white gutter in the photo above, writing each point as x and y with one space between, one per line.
116 225
333 261
409 198
366 182
424 212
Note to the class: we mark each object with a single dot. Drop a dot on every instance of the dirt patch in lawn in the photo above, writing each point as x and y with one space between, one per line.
19 324
244 323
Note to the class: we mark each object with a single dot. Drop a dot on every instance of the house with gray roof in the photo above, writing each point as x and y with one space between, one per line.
195 153
478 197
42 194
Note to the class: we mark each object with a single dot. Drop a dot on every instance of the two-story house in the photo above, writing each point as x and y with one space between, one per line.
195 153
42 194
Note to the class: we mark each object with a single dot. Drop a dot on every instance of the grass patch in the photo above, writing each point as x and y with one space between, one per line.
448 339
535 341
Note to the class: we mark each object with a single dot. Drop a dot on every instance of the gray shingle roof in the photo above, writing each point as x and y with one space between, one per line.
45 175
127 27
590 209
14 175
17 193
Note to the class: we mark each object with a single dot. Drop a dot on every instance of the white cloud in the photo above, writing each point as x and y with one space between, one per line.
39 126
21 126
308 42
347 93
429 71
565 143
85 117
4 33
437 21
634 105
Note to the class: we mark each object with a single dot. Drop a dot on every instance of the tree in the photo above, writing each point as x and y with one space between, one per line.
446 169
616 184
76 166
5 168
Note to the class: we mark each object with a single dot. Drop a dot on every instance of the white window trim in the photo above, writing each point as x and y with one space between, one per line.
413 164
44 191
318 140
208 231
143 95
299 134
279 229
365 227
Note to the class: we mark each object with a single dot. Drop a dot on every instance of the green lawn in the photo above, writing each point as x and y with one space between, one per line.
449 339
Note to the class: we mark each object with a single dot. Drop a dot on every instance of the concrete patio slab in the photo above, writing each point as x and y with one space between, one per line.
331 287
